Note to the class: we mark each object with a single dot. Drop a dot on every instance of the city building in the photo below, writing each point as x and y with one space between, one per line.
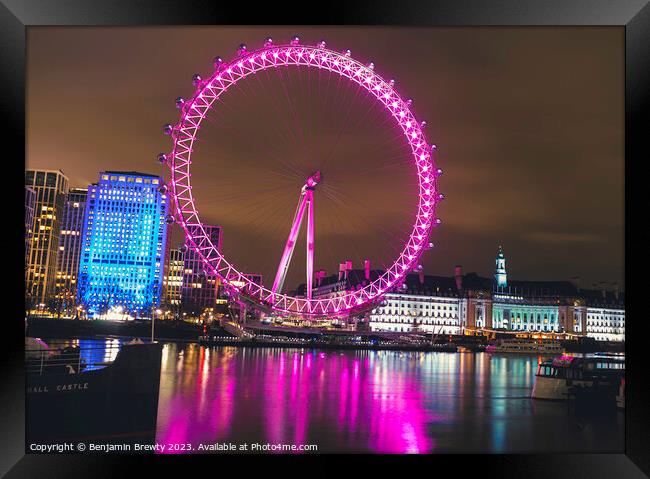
605 315
173 279
469 303
67 268
30 206
332 286
50 188
535 306
124 235
427 304
199 289
538 306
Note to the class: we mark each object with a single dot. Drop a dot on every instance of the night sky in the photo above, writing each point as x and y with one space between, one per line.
528 124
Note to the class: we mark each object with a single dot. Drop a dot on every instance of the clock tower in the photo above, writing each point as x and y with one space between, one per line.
500 275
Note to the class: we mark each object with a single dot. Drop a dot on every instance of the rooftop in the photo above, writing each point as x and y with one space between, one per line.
129 173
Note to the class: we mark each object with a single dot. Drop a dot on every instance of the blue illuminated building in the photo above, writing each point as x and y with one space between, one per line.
124 236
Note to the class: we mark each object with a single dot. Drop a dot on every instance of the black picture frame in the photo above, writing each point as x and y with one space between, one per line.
632 15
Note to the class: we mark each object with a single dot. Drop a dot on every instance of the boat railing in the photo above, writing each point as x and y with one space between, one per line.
69 360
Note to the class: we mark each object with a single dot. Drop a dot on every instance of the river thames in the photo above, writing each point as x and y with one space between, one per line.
362 401
368 401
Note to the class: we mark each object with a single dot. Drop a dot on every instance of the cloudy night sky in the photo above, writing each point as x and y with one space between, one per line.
528 124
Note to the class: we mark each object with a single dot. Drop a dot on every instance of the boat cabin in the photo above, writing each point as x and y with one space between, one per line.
574 367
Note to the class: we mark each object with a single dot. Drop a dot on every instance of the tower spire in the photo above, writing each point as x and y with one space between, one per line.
500 274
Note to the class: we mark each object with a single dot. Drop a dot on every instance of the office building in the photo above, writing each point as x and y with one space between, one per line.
124 235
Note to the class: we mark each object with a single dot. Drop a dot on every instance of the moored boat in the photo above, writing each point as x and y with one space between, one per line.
71 398
526 346
556 378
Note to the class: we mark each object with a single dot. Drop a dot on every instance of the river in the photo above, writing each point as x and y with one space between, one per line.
366 401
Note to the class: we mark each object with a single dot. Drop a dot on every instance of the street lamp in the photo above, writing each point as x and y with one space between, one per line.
154 313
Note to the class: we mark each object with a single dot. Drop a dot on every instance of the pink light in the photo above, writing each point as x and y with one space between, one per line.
288 56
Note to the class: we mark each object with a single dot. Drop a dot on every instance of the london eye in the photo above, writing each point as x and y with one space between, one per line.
230 75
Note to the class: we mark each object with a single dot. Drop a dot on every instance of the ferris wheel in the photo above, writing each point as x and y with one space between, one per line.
194 110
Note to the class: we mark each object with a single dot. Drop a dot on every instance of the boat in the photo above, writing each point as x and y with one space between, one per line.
72 397
526 346
559 377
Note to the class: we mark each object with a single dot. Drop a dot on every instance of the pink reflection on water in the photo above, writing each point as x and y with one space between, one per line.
223 405
177 430
346 400
354 396
273 402
398 419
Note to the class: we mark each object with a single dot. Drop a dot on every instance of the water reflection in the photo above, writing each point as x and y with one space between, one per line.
362 401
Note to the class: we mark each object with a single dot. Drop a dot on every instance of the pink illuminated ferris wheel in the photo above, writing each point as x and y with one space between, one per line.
184 134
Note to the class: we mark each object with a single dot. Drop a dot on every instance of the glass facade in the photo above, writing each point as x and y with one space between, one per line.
124 236
199 290
173 278
51 188
30 206
70 247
